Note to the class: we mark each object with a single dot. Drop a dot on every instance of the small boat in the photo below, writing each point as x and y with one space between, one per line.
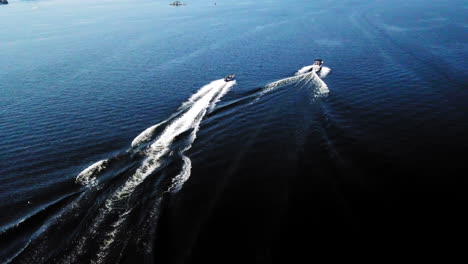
176 3
317 66
229 78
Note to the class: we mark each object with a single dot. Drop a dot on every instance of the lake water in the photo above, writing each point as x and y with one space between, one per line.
121 142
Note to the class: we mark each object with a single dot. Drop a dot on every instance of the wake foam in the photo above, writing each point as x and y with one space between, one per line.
301 76
156 145
322 74
179 180
304 70
322 87
145 136
88 175
200 103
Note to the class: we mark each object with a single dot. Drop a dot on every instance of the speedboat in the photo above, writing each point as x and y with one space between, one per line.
317 66
176 3
229 78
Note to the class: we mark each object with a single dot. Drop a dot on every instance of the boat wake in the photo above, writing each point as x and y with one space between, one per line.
115 203
188 117
303 76
322 74
114 189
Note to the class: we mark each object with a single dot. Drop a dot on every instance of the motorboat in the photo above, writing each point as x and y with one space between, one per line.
229 78
317 66
176 3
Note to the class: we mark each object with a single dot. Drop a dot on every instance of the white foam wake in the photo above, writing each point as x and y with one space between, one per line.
322 87
322 74
302 75
287 81
304 70
88 175
220 94
180 179
206 98
146 135
196 96
213 91
183 176
197 107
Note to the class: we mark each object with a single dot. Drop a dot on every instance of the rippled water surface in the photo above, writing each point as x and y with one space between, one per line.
122 143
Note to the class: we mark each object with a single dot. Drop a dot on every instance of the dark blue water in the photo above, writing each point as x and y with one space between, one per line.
121 143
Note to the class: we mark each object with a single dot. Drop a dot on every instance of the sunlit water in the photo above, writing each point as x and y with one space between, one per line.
121 142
